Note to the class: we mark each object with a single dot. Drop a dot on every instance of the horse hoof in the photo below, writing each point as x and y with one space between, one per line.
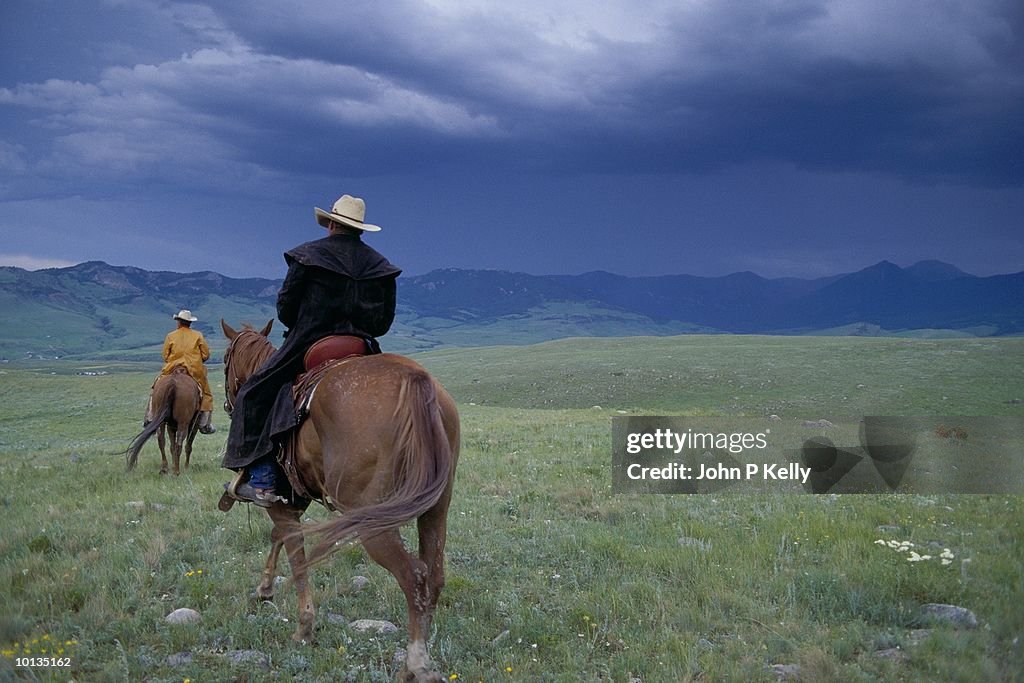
301 638
425 676
163 471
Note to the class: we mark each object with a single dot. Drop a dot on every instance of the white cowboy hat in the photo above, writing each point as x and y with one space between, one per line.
185 314
348 210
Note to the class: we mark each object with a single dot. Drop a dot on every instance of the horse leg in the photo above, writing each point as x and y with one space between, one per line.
289 529
265 591
433 531
177 436
388 551
163 453
188 444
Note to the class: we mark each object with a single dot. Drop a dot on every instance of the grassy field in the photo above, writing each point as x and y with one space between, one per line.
550 576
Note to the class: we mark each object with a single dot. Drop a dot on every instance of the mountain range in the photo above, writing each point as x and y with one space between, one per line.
98 310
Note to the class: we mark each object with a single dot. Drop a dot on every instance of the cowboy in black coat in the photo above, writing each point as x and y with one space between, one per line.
335 285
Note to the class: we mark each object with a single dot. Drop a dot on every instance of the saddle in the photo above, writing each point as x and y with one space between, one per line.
335 347
321 358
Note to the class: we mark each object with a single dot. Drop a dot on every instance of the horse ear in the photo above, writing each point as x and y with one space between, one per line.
228 331
266 330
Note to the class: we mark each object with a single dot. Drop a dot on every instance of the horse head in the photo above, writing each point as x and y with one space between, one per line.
246 352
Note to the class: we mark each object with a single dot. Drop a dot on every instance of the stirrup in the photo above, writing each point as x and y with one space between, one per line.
228 498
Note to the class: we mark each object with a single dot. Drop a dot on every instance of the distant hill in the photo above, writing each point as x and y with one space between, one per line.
98 310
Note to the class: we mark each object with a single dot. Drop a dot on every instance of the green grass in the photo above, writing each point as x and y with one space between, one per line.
589 586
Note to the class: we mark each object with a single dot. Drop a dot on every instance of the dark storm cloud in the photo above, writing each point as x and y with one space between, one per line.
922 90
470 113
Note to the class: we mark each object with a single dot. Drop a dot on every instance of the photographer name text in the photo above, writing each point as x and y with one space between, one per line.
719 472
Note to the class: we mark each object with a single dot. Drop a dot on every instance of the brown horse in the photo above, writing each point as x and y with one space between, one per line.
176 400
381 444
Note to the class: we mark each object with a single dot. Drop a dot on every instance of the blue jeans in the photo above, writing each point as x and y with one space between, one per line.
263 473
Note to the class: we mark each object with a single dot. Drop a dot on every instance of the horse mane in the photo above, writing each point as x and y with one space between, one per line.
253 349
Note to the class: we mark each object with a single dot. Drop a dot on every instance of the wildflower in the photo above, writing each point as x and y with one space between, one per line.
453 677
508 669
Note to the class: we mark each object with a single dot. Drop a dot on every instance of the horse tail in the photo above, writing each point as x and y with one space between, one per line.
422 470
135 447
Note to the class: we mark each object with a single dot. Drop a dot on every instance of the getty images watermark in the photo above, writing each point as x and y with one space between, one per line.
865 454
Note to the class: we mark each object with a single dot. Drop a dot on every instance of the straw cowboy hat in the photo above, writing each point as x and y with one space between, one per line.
348 210
186 315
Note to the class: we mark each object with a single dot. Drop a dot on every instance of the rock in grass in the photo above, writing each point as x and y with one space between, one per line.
249 657
957 617
359 583
373 625
785 671
183 615
179 659
918 635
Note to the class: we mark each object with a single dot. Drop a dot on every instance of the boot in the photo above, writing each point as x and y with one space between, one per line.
236 490
205 425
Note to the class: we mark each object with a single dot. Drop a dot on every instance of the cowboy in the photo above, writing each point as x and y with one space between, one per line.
336 285
187 347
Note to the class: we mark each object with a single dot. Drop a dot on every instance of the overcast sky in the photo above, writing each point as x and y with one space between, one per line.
635 136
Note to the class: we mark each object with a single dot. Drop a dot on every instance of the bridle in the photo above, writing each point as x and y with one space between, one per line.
235 376
231 381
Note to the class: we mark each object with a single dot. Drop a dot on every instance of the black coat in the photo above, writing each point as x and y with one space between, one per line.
335 285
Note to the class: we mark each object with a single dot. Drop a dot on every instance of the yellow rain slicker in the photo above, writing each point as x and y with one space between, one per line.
185 346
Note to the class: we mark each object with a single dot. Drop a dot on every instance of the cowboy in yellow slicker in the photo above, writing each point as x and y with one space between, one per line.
187 347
